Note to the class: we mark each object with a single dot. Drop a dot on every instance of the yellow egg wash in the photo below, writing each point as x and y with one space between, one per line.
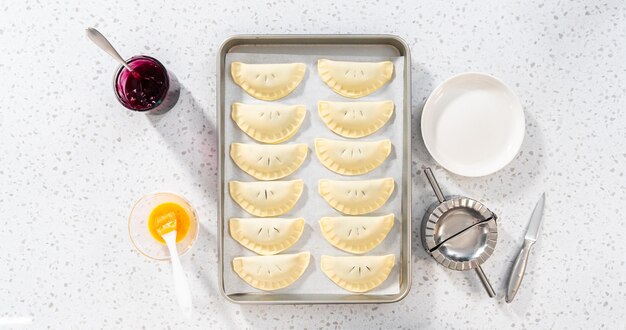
158 217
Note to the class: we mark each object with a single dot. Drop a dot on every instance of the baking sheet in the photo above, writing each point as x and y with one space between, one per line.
311 205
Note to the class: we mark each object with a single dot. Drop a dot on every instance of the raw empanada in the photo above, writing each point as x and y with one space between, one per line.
354 79
268 123
355 119
268 162
266 198
271 272
356 197
356 235
352 157
358 274
268 82
266 236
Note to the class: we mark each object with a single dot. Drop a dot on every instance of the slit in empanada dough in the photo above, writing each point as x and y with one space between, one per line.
352 157
266 236
358 273
271 272
356 197
268 123
354 79
268 82
355 119
266 198
268 162
356 235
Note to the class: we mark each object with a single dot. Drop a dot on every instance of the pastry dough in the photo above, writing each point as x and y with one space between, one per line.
355 119
354 79
352 157
356 235
356 197
266 199
268 82
266 236
268 123
268 162
358 274
271 272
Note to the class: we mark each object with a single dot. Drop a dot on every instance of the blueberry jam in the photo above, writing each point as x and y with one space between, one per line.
145 87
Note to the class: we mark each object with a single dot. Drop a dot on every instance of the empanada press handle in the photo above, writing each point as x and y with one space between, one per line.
434 184
485 282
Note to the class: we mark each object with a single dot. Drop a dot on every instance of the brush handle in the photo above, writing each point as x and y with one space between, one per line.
181 287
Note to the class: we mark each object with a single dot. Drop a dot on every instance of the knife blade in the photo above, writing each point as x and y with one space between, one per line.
535 219
519 266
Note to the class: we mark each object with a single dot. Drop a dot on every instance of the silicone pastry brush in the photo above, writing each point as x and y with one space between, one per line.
167 230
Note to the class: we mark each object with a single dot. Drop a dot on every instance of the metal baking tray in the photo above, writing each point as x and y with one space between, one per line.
343 45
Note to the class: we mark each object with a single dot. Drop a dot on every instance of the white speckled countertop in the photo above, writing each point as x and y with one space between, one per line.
72 160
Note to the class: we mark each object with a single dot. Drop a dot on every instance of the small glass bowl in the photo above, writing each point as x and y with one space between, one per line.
138 226
169 96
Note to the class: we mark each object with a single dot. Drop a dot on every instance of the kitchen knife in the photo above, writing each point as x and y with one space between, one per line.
519 267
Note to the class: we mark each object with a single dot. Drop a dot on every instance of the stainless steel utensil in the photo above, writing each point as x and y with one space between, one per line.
532 233
104 44
459 232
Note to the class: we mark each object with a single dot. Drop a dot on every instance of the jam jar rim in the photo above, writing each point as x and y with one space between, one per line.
119 71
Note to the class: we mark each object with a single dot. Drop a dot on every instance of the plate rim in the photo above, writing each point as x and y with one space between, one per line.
515 98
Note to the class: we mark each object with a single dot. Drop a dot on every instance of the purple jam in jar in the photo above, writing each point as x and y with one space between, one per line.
144 88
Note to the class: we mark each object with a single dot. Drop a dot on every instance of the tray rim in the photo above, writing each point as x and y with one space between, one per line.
329 39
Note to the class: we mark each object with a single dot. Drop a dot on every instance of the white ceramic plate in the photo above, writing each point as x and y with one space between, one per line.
473 124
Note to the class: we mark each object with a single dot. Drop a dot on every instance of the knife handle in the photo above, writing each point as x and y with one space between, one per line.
517 272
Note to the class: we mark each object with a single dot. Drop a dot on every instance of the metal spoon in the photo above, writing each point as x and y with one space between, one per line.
104 44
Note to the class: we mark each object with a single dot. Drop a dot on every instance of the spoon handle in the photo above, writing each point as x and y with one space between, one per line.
104 44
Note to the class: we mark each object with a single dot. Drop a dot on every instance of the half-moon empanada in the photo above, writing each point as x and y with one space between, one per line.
268 82
268 123
271 272
355 119
266 236
266 198
354 79
356 235
356 197
358 274
268 162
352 157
